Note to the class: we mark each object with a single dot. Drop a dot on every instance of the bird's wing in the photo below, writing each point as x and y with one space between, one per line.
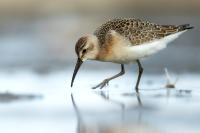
137 31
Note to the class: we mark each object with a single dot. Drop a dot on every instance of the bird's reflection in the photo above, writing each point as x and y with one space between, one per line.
139 99
86 128
80 123
121 104
106 97
139 109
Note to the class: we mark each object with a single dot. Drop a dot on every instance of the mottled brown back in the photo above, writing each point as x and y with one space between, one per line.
137 31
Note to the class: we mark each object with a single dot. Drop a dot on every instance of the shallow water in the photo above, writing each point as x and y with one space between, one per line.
58 108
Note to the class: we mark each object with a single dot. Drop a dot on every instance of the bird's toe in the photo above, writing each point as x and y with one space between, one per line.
102 84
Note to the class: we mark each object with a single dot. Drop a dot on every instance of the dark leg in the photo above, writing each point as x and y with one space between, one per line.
139 75
105 81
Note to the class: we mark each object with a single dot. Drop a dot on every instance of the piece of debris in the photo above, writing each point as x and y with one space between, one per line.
170 83
185 91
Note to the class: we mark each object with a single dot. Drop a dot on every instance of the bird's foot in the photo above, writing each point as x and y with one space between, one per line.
102 84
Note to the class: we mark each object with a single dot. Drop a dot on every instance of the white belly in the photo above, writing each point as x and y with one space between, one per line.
129 54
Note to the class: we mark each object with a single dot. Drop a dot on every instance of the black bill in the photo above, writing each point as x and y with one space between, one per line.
78 64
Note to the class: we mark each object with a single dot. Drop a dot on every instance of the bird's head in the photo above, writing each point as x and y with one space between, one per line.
86 48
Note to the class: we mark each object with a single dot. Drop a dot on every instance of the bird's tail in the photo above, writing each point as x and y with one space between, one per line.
185 27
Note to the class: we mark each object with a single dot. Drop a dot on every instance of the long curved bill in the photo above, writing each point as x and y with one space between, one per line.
78 64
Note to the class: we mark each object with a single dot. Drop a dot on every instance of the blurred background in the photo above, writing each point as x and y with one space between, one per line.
37 58
40 35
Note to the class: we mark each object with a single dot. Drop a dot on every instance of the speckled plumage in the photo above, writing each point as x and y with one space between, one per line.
125 41
137 31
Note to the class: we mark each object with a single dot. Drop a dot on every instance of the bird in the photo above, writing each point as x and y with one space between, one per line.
125 41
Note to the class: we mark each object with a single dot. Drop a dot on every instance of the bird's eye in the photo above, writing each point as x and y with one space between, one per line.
84 51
